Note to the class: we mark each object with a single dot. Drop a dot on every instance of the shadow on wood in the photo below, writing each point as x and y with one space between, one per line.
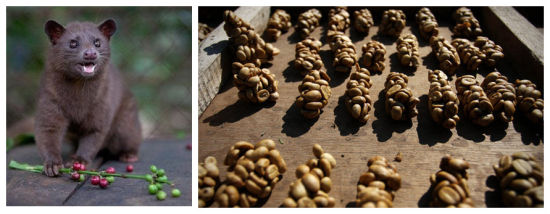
492 198
295 124
429 132
236 112
395 66
530 133
346 123
384 126
291 74
336 78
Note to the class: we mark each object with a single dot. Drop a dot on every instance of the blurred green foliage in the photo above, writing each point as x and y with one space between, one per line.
152 48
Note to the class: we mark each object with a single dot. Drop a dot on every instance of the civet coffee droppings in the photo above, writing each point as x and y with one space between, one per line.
475 105
314 93
400 103
254 84
278 22
502 95
208 180
407 50
313 182
443 102
427 24
307 56
362 20
492 51
338 19
374 56
307 22
470 56
521 180
377 186
357 99
450 184
343 50
467 26
393 22
529 100
446 54
248 45
252 173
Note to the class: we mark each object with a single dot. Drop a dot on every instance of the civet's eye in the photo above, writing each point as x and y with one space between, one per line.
73 44
97 43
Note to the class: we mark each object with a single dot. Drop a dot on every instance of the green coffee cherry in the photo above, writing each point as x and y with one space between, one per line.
149 178
153 189
153 168
82 178
176 193
162 179
161 195
159 186
160 172
110 179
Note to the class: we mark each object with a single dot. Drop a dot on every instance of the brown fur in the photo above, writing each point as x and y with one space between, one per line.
97 107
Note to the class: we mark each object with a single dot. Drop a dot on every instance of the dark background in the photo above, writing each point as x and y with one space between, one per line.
152 49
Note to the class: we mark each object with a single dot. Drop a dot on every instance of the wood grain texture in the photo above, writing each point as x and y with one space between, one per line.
421 142
519 38
211 60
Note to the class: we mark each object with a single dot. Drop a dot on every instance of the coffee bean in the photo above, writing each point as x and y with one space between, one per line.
467 26
393 22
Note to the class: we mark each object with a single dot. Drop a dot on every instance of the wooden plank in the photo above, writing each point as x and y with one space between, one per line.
169 155
27 188
520 40
421 142
212 56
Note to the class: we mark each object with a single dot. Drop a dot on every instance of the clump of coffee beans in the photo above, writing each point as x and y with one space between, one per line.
521 180
248 45
278 22
338 19
442 100
314 93
407 50
450 184
529 100
467 26
476 106
502 95
363 20
393 22
254 84
373 56
314 183
208 180
471 57
252 174
307 56
492 51
376 187
400 103
445 53
357 99
345 56
427 24
308 21
204 30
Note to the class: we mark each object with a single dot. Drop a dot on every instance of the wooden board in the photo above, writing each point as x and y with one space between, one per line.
26 188
421 141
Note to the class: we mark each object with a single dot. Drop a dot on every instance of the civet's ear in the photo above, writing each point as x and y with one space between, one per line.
54 30
108 28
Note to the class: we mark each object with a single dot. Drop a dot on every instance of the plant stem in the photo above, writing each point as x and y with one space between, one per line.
39 168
